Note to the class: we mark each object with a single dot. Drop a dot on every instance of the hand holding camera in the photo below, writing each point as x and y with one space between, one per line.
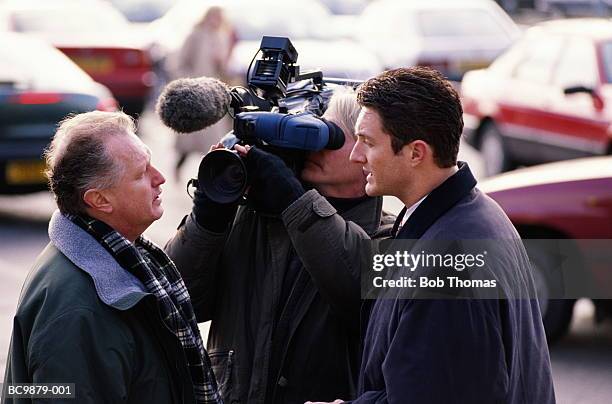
273 185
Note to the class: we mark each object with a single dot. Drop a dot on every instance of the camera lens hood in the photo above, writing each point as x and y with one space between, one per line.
222 176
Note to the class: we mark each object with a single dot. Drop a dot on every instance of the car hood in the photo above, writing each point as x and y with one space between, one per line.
336 58
562 171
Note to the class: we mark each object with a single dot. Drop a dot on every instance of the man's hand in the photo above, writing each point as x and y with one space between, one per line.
273 185
321 402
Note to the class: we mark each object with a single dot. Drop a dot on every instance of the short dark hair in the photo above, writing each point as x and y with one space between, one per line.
78 160
417 103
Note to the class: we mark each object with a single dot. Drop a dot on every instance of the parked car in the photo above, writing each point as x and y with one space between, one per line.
570 201
307 24
34 97
450 36
548 98
95 36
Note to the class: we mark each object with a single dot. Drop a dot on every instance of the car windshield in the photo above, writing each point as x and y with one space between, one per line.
458 23
51 68
606 52
77 19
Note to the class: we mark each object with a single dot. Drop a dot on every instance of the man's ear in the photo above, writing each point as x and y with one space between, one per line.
97 200
418 152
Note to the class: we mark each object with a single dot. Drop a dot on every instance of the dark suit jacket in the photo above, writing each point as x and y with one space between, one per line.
459 350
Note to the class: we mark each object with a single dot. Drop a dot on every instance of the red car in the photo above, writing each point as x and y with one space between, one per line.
548 98
569 201
95 36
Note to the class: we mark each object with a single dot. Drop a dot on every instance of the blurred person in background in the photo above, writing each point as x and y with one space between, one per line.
103 307
285 313
205 52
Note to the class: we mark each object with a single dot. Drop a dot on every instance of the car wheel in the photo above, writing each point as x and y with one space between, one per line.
556 313
493 151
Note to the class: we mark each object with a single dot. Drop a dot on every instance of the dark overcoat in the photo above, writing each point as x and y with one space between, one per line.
459 350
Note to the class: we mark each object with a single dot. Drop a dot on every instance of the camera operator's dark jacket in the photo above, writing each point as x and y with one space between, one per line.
83 319
284 329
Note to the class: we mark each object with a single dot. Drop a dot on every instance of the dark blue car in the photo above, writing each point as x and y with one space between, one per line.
39 86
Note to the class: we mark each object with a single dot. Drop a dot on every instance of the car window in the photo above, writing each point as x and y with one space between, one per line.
507 62
606 54
52 67
577 65
538 59
458 22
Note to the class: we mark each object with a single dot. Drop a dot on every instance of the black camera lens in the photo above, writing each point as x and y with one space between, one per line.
223 176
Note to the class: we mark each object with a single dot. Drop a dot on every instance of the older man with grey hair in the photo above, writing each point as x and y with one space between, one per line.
103 308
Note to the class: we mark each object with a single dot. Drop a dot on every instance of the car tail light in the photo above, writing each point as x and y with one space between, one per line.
36 98
107 104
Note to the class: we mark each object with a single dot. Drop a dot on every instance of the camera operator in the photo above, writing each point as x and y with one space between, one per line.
285 317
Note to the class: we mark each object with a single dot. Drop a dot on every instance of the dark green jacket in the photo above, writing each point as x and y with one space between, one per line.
93 324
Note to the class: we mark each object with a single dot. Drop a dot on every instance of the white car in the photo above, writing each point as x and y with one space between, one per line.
452 36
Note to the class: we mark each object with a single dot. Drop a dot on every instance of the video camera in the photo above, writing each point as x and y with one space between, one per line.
280 112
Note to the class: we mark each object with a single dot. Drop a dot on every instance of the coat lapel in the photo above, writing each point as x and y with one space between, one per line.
438 202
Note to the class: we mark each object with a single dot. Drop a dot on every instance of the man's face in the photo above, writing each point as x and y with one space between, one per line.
386 172
135 197
331 172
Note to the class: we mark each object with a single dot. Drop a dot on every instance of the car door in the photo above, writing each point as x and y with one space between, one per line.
579 120
524 108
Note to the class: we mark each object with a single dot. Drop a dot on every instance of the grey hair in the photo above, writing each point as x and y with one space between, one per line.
343 109
77 159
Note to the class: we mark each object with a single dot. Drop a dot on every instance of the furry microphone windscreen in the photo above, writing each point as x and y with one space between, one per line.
189 105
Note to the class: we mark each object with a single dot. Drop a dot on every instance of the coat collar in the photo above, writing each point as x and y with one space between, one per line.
115 286
438 202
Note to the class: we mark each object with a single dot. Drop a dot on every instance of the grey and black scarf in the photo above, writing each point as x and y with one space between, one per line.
160 277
